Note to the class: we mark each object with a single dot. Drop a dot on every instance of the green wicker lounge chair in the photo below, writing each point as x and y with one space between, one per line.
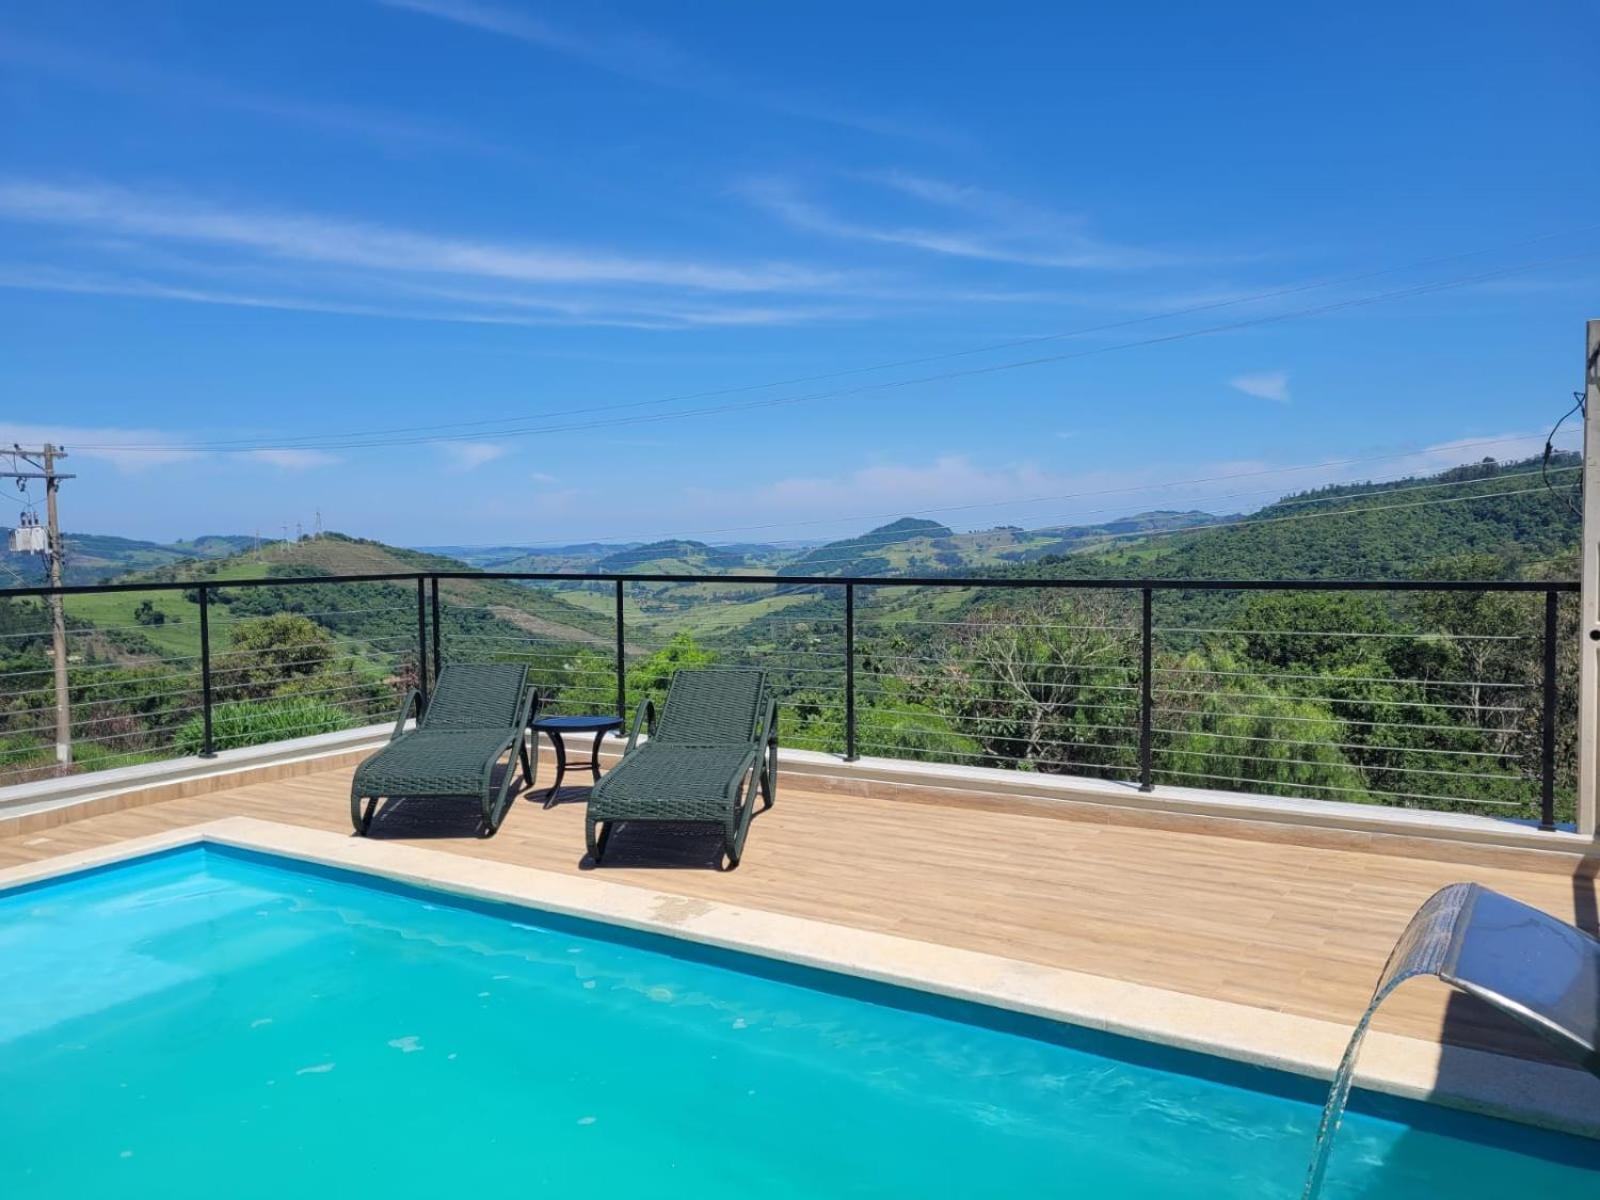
717 738
477 712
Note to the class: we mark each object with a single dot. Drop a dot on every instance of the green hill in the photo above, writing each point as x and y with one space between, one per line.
96 557
671 557
218 545
374 618
577 557
895 547
1359 531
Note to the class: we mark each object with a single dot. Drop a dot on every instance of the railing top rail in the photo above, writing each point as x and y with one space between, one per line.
892 581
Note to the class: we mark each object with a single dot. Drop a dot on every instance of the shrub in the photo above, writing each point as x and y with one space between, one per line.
250 723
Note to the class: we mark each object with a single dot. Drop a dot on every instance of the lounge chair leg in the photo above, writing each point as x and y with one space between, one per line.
527 764
362 820
596 844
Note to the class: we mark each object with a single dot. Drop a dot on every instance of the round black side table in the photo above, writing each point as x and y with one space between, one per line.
556 728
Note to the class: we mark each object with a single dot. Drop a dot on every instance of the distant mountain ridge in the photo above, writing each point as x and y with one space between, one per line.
1361 530
672 556
1282 539
96 557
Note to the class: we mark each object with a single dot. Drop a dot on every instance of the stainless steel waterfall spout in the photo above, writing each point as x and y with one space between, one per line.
1540 971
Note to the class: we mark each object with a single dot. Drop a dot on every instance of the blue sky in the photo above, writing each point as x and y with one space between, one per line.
547 237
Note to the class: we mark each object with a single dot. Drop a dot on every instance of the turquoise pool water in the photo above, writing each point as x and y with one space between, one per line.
215 1024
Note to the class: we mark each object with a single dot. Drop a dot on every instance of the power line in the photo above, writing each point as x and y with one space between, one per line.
1249 521
1099 539
1340 512
993 347
397 438
43 463
1549 449
1130 489
874 546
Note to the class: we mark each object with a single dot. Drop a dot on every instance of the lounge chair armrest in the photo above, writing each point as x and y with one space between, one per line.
769 736
531 700
644 719
413 699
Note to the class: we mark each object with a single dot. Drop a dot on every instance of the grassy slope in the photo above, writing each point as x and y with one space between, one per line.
520 611
179 635
1366 543
1379 531
334 554
94 557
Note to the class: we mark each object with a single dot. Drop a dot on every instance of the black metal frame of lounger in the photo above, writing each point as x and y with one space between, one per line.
757 770
493 804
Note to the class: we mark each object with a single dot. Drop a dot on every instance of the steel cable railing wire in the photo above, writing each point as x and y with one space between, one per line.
1204 711
1429 762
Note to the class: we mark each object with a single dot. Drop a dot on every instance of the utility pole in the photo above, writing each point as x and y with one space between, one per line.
1589 593
43 461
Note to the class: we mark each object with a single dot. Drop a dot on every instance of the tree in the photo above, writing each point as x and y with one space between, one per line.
588 683
1482 639
271 655
1044 682
892 720
650 676
590 678
1228 727
1289 630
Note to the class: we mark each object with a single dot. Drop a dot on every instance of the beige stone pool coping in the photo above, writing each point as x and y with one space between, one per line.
1478 1081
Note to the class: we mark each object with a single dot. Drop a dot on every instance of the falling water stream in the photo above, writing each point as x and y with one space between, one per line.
1542 972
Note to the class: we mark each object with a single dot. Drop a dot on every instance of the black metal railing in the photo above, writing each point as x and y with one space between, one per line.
1111 692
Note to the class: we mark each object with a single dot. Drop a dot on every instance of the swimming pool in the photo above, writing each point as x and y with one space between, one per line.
217 1022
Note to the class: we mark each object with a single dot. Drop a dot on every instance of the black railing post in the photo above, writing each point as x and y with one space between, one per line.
206 746
1547 757
622 664
422 642
850 754
1146 707
438 659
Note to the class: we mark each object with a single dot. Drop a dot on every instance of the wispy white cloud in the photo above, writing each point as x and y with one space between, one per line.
128 76
620 313
294 460
469 456
965 494
629 52
151 244
1264 385
154 244
988 226
318 239
1474 448
104 443
130 449
646 57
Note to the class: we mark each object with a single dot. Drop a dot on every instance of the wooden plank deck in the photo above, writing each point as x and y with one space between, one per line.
1269 922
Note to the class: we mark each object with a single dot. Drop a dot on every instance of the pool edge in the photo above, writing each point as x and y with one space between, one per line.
1499 1086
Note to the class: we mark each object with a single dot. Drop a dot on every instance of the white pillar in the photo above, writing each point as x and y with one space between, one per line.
1589 599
